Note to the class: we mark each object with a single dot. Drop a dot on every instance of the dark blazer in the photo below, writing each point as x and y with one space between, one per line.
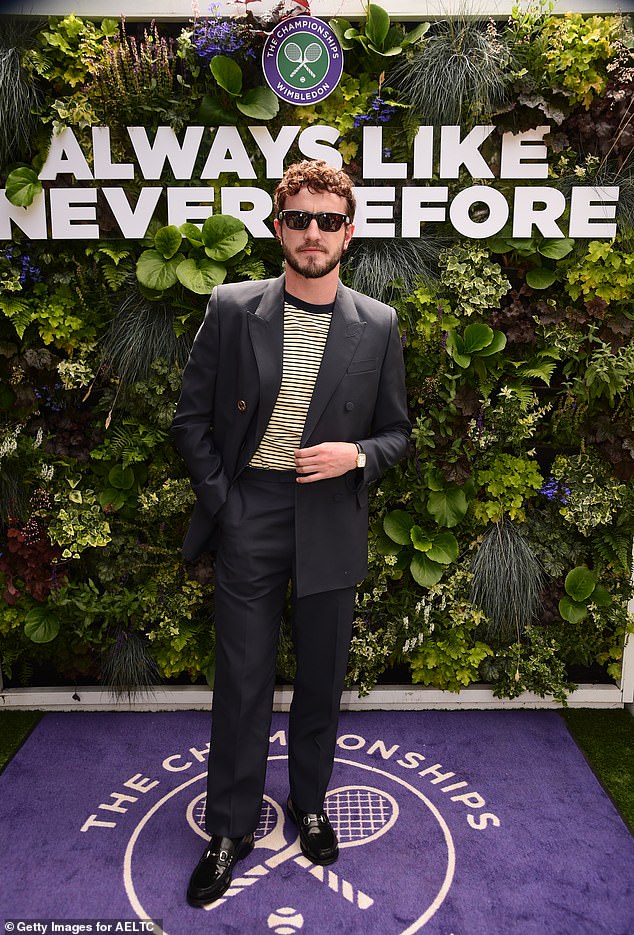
230 385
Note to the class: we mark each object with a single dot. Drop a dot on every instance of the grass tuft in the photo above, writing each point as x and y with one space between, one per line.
507 581
128 668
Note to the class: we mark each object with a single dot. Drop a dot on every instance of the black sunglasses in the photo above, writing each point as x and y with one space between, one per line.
329 221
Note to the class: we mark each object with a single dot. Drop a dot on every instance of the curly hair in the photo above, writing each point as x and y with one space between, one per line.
317 176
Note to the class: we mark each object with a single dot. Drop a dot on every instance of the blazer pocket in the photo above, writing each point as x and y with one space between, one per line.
362 366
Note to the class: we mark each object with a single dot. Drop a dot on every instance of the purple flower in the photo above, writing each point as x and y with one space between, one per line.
215 36
380 112
555 490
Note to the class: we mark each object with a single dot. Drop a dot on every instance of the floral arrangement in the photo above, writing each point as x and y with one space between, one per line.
500 549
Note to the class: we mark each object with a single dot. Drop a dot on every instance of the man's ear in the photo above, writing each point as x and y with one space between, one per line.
278 232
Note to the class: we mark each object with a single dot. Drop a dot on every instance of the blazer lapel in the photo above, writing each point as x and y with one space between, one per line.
266 328
344 335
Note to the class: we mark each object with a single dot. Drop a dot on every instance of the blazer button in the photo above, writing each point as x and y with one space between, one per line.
349 406
242 406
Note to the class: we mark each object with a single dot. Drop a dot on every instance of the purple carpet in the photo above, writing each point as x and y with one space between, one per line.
450 823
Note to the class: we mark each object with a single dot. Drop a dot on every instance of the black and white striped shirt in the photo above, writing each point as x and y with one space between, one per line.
305 333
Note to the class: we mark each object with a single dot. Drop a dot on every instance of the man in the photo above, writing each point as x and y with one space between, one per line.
293 401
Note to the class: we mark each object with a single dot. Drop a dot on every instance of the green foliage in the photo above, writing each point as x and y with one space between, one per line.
577 52
506 484
532 666
378 39
605 272
473 281
79 522
67 49
192 257
257 103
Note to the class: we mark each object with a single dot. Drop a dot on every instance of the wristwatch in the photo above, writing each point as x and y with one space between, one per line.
360 456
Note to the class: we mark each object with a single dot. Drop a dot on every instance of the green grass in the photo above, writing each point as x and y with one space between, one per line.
605 737
15 727
607 740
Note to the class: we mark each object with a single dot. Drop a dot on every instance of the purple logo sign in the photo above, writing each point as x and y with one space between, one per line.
302 60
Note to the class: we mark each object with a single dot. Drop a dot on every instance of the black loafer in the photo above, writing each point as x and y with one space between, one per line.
317 838
212 876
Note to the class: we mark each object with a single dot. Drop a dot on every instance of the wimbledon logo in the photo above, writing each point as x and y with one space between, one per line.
302 60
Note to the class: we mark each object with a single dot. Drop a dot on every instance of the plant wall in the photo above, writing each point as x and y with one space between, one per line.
500 549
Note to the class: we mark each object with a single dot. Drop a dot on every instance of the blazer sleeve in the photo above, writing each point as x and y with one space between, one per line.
391 427
192 428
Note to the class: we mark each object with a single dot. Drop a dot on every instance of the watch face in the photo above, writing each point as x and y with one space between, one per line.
361 459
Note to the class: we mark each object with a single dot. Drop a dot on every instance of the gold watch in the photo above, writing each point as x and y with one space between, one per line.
361 459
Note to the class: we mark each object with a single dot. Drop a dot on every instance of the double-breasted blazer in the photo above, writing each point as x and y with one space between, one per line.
230 385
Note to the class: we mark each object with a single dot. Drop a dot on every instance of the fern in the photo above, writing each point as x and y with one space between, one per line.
18 312
252 269
614 548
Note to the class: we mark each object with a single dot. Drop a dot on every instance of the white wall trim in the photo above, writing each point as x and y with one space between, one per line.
383 698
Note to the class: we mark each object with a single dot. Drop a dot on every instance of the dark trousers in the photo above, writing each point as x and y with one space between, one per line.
254 565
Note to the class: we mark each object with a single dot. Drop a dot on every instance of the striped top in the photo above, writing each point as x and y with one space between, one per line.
305 333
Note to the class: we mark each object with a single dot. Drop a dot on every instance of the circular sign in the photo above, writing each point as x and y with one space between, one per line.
302 60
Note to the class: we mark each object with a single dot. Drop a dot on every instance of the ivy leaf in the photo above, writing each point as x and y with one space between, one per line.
22 186
260 103
227 73
223 236
447 506
200 275
41 625
397 525
425 572
167 241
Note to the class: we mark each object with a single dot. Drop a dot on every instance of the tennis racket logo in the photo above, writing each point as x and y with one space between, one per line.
311 54
358 814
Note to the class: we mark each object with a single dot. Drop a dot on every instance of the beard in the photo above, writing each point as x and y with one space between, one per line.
311 266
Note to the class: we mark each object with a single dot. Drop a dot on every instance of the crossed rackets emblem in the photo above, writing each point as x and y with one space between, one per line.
358 814
311 54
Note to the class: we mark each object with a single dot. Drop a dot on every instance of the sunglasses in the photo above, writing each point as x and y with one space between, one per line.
329 221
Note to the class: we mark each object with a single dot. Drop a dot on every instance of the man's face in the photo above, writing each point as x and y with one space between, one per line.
313 253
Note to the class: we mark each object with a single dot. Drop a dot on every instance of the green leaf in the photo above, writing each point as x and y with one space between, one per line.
259 103
167 241
397 525
497 344
540 277
580 583
420 539
41 625
201 275
223 236
112 499
192 232
572 611
213 113
447 506
155 272
476 337
601 596
227 73
498 245
425 572
444 548
377 25
556 249
339 27
455 349
121 478
415 34
22 186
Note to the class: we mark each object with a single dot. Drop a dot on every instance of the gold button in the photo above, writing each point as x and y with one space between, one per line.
242 406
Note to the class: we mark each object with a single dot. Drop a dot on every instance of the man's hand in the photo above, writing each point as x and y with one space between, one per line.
330 459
